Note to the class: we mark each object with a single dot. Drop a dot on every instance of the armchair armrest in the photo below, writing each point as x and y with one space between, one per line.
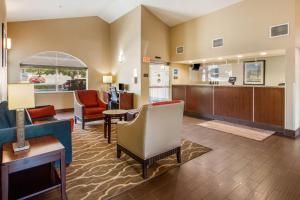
101 101
78 106
130 135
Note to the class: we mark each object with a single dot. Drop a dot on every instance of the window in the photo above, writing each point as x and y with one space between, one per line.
65 75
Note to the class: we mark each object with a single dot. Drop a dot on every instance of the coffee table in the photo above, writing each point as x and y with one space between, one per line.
108 116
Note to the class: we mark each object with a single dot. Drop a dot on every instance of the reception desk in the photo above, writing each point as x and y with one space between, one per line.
260 106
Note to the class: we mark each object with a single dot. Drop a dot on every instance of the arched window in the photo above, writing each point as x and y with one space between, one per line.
54 71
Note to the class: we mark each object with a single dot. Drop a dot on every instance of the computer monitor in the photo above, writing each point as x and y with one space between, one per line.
121 86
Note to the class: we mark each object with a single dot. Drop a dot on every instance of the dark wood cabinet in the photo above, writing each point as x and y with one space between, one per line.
269 106
234 102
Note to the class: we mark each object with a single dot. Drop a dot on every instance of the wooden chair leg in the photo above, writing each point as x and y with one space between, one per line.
145 169
82 124
178 155
119 152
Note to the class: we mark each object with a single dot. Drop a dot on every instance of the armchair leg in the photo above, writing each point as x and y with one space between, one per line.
75 120
82 124
178 154
118 152
145 169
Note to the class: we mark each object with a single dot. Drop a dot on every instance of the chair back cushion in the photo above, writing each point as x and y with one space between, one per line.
89 98
163 127
42 112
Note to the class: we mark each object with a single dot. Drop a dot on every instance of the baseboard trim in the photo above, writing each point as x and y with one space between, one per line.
280 131
64 110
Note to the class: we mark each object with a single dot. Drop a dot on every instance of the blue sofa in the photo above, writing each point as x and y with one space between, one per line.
60 129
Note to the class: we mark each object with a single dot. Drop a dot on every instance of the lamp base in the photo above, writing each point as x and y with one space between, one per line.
18 149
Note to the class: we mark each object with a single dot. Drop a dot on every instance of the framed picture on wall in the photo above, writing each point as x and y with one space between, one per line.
254 72
175 73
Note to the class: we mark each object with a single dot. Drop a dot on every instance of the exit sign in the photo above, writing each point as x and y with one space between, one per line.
146 59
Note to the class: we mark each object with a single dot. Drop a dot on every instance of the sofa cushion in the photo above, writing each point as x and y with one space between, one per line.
93 111
89 98
41 112
4 123
166 102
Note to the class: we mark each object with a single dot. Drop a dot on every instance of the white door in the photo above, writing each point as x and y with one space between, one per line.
159 82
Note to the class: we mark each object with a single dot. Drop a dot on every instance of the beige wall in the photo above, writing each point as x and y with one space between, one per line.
155 42
183 77
126 38
139 33
86 38
297 7
243 33
3 70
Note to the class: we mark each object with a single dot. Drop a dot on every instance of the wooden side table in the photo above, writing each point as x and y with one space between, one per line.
22 168
108 116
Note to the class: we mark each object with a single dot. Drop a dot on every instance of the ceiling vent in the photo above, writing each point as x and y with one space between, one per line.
279 30
218 42
179 50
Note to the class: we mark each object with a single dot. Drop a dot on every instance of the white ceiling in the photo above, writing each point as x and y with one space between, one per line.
172 12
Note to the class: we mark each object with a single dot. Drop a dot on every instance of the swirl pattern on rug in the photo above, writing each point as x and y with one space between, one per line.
96 172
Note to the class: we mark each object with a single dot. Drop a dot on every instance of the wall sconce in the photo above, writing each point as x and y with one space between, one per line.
135 76
121 57
8 43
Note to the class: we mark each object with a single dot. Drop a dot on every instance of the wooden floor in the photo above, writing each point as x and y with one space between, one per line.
237 168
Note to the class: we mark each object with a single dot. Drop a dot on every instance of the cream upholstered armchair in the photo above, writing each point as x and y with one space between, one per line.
153 135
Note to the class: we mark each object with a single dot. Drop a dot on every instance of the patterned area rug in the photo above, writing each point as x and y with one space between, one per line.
96 173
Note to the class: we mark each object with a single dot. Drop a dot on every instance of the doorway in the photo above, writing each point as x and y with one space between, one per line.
159 82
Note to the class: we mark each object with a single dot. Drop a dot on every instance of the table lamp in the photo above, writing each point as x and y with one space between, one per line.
107 80
20 96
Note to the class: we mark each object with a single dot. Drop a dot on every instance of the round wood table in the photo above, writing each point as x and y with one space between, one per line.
108 116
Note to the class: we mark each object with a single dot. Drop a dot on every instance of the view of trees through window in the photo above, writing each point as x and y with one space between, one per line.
47 79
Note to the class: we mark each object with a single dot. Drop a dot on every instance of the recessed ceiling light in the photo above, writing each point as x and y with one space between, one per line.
263 53
240 56
204 60
190 62
220 58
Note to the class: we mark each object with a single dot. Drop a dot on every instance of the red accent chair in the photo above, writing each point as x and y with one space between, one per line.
88 106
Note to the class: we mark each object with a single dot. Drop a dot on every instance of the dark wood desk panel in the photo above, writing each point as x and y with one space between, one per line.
178 92
199 99
235 102
269 106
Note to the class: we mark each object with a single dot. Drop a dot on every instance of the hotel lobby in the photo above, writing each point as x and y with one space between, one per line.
150 99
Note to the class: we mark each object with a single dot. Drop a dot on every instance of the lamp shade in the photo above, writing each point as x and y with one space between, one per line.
107 79
20 96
